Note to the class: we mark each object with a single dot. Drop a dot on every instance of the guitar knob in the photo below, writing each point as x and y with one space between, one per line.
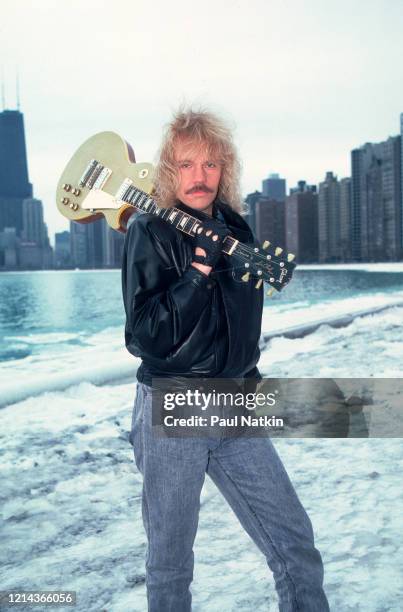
75 206
245 277
66 187
290 257
278 251
265 244
65 200
76 192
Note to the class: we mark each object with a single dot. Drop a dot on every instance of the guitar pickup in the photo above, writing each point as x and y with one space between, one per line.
87 172
102 178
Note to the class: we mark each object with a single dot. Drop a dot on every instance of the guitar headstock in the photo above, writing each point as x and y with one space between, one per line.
264 263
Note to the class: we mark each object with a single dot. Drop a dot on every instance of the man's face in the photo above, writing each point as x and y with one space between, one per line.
199 176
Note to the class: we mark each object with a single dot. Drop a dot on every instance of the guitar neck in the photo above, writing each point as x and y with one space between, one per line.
180 220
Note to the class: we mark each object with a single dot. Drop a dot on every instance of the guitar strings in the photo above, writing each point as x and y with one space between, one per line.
241 246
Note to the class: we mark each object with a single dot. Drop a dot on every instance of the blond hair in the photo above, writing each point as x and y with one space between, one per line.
201 129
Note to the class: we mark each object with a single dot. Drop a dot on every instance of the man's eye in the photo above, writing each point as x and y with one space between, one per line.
185 165
210 165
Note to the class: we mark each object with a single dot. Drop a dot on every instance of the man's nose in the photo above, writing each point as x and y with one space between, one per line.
199 173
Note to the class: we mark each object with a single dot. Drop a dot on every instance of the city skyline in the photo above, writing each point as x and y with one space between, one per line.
303 83
358 218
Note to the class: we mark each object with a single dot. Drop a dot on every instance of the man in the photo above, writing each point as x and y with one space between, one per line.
188 315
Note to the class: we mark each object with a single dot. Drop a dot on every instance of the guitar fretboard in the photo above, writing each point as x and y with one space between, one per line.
179 219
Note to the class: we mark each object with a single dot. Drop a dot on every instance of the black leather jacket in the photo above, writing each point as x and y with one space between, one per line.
173 310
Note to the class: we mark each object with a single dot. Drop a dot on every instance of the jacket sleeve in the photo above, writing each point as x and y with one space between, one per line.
161 309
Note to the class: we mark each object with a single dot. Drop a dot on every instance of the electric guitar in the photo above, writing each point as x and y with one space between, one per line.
103 179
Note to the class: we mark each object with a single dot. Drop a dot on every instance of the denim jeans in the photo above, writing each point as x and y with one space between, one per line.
250 475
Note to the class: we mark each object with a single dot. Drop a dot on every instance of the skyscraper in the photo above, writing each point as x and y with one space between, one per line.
301 223
95 245
377 201
345 219
270 220
401 174
251 200
33 229
13 156
24 239
274 188
329 219
62 250
14 182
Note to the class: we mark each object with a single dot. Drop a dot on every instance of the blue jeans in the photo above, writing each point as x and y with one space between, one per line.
252 478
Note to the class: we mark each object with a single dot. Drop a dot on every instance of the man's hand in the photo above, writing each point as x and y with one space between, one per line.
208 244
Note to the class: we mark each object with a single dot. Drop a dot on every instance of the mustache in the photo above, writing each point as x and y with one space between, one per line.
199 187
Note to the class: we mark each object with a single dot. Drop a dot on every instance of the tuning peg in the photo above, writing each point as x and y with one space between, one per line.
290 257
245 277
270 292
259 283
265 244
278 251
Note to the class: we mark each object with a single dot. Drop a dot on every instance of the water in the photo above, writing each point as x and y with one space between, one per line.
54 312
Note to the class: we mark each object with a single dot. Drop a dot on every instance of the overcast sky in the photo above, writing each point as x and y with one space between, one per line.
303 81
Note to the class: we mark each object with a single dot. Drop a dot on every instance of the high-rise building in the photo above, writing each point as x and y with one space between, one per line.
329 219
79 244
95 245
301 223
345 219
33 229
377 201
334 219
274 188
250 201
13 156
62 250
270 221
14 182
401 175
21 215
113 247
9 244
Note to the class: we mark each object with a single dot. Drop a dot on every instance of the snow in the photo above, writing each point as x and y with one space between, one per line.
71 493
362 267
71 510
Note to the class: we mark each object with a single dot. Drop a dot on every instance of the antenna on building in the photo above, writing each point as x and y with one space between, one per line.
17 86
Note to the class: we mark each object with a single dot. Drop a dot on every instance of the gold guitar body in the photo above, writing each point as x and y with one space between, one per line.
80 201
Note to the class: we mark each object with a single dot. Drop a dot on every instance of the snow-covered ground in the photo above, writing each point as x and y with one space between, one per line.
364 267
71 494
71 510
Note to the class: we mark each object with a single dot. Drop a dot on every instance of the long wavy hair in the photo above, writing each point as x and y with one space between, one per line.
202 130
